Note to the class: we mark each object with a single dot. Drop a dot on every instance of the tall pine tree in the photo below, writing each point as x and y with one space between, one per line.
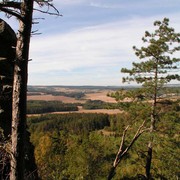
159 65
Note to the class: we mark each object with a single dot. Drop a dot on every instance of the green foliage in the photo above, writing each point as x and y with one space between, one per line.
98 104
74 123
83 146
52 90
89 160
38 107
159 65
67 144
130 95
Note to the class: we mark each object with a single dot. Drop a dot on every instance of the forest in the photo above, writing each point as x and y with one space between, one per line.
139 142
38 107
84 146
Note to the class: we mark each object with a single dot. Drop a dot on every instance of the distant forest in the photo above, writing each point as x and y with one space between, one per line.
75 146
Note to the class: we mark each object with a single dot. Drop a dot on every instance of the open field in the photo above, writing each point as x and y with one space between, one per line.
80 95
93 93
104 111
51 94
102 95
50 97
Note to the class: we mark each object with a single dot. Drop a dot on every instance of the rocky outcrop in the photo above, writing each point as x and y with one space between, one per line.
7 57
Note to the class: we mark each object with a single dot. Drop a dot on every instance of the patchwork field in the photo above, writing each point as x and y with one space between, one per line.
73 95
46 93
102 95
50 97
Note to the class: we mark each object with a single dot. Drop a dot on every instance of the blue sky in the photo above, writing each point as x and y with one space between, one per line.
93 40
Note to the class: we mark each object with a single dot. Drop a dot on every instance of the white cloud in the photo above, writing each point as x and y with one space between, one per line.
69 2
103 49
132 4
93 46
106 5
98 46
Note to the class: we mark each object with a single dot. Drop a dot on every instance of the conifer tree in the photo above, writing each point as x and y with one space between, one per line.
159 65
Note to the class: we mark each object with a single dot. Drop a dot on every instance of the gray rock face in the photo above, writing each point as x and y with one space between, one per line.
7 40
7 57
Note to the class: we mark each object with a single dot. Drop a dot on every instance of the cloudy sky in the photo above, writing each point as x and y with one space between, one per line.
93 39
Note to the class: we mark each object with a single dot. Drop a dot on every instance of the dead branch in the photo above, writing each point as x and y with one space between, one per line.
11 4
47 12
6 7
48 5
10 12
117 159
121 153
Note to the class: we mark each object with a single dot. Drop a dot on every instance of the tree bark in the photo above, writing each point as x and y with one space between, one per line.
20 91
152 126
148 161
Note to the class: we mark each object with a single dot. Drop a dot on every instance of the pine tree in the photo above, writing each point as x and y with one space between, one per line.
159 65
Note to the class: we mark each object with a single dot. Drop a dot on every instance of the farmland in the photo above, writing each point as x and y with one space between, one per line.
77 131
74 95
81 99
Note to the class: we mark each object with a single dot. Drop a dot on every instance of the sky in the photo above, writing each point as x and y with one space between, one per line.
93 39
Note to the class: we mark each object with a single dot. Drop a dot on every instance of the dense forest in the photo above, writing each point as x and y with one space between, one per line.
38 107
33 90
84 146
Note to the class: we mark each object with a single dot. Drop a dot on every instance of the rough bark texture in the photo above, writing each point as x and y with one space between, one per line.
7 57
19 92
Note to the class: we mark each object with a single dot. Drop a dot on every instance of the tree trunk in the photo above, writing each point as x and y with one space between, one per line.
111 173
152 126
148 161
20 92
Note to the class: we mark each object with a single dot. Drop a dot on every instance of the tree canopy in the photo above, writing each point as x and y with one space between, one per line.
159 62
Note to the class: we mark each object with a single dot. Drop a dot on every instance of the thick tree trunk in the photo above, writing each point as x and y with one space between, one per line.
20 92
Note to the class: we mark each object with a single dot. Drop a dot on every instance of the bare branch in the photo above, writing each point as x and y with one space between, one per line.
117 159
11 12
49 5
121 153
47 12
11 4
35 32
138 133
